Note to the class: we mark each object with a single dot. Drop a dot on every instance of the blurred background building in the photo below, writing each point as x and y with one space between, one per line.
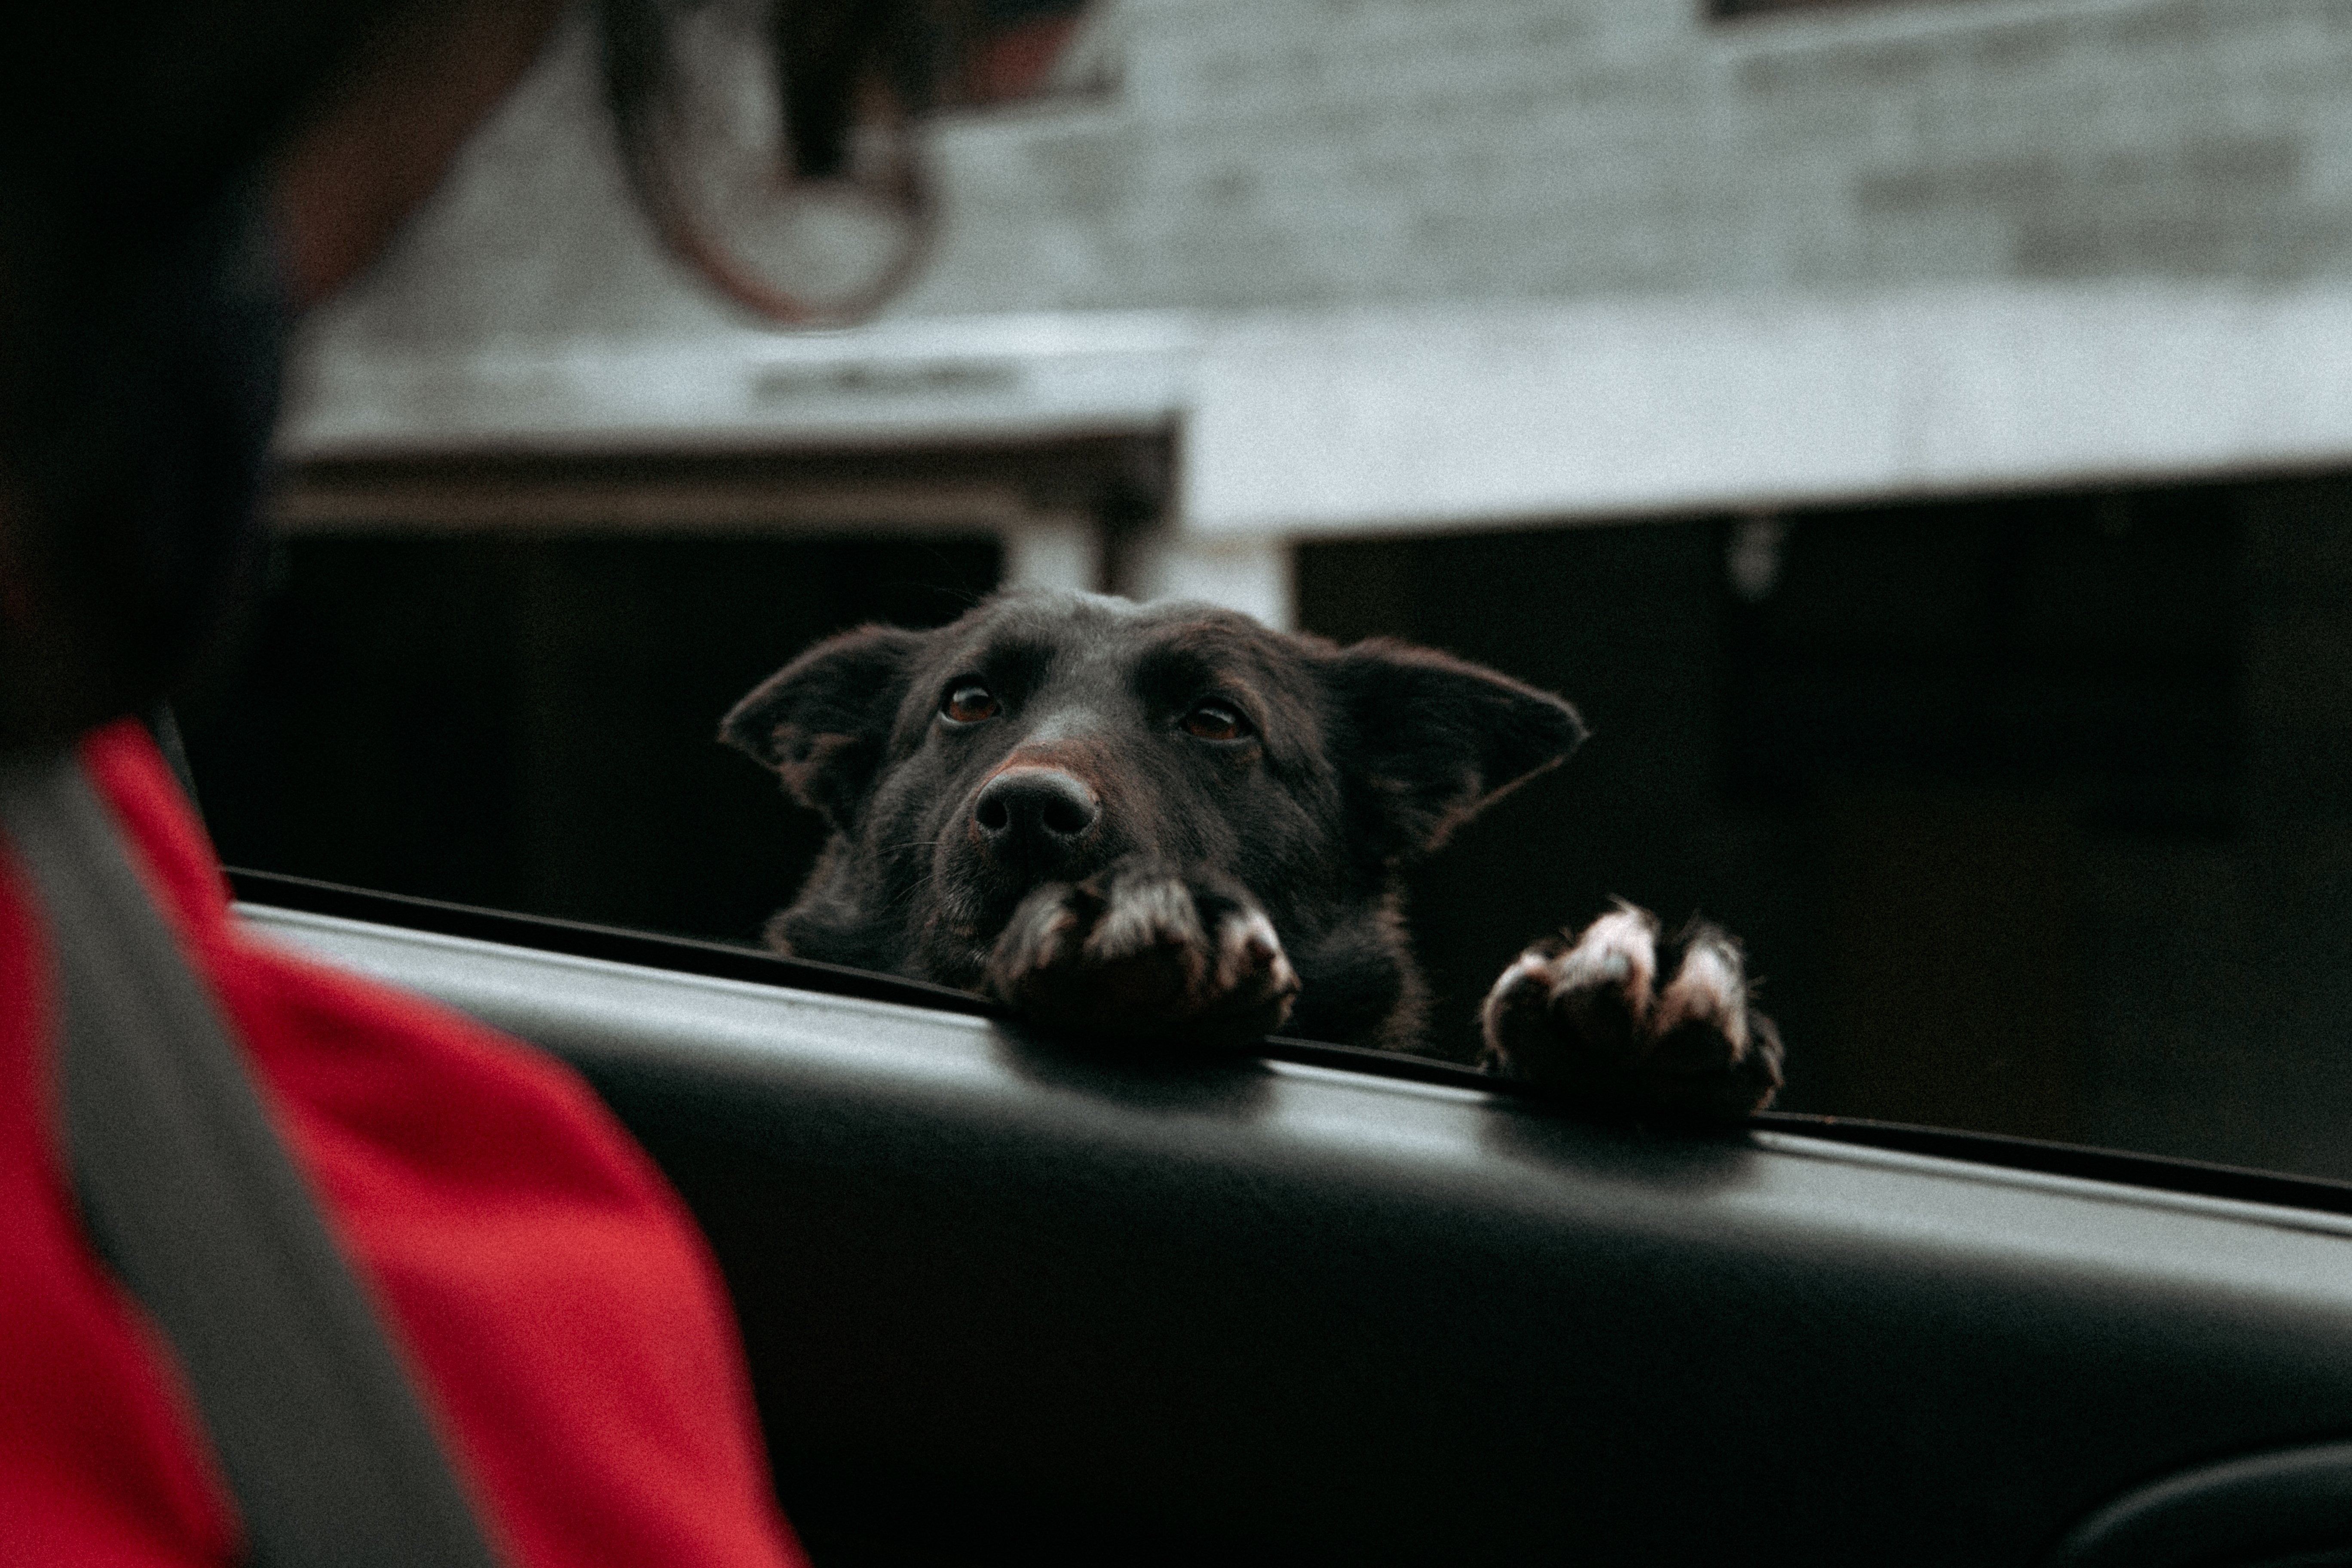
1919 435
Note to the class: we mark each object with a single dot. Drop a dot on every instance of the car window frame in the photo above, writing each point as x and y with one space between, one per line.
718 959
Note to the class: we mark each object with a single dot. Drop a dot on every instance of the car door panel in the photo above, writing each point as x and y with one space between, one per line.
1006 1300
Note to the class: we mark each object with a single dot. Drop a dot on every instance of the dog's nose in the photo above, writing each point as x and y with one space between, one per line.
1034 816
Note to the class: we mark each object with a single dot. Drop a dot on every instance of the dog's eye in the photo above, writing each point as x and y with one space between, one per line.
1215 721
969 704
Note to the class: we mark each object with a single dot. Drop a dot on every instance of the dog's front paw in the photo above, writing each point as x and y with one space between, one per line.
1141 952
1591 1016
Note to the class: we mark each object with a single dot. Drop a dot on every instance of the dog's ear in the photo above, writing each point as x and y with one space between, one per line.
823 721
1431 740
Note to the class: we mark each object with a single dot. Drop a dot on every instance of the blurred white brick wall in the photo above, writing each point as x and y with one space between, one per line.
1260 154
1304 153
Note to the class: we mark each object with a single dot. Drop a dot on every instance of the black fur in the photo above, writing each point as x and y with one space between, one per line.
1035 802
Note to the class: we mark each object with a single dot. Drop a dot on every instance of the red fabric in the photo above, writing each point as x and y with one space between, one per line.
569 1329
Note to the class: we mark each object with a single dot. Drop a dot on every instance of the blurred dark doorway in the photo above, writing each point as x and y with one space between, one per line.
2031 810
530 723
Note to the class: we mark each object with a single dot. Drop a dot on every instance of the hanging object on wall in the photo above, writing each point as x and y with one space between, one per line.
778 145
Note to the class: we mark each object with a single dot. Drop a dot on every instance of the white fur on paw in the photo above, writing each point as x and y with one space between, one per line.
1248 951
1591 1020
1520 992
1142 915
1147 955
1618 951
1709 991
1040 930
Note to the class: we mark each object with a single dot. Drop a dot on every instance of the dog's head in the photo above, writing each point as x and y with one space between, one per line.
1044 736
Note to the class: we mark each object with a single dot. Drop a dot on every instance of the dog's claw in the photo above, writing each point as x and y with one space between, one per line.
1589 1017
1142 951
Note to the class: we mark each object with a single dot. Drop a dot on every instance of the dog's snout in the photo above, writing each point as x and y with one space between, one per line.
1038 816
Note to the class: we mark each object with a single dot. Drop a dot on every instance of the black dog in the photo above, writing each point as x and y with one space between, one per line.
1169 821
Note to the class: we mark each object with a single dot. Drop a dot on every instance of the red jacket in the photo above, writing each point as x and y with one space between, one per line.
566 1325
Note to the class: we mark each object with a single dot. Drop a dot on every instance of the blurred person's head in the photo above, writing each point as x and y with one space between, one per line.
178 178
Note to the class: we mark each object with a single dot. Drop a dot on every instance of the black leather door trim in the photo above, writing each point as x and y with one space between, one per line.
2294 1504
1006 1302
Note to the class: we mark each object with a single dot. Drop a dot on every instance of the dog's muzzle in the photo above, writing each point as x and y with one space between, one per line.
1034 820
